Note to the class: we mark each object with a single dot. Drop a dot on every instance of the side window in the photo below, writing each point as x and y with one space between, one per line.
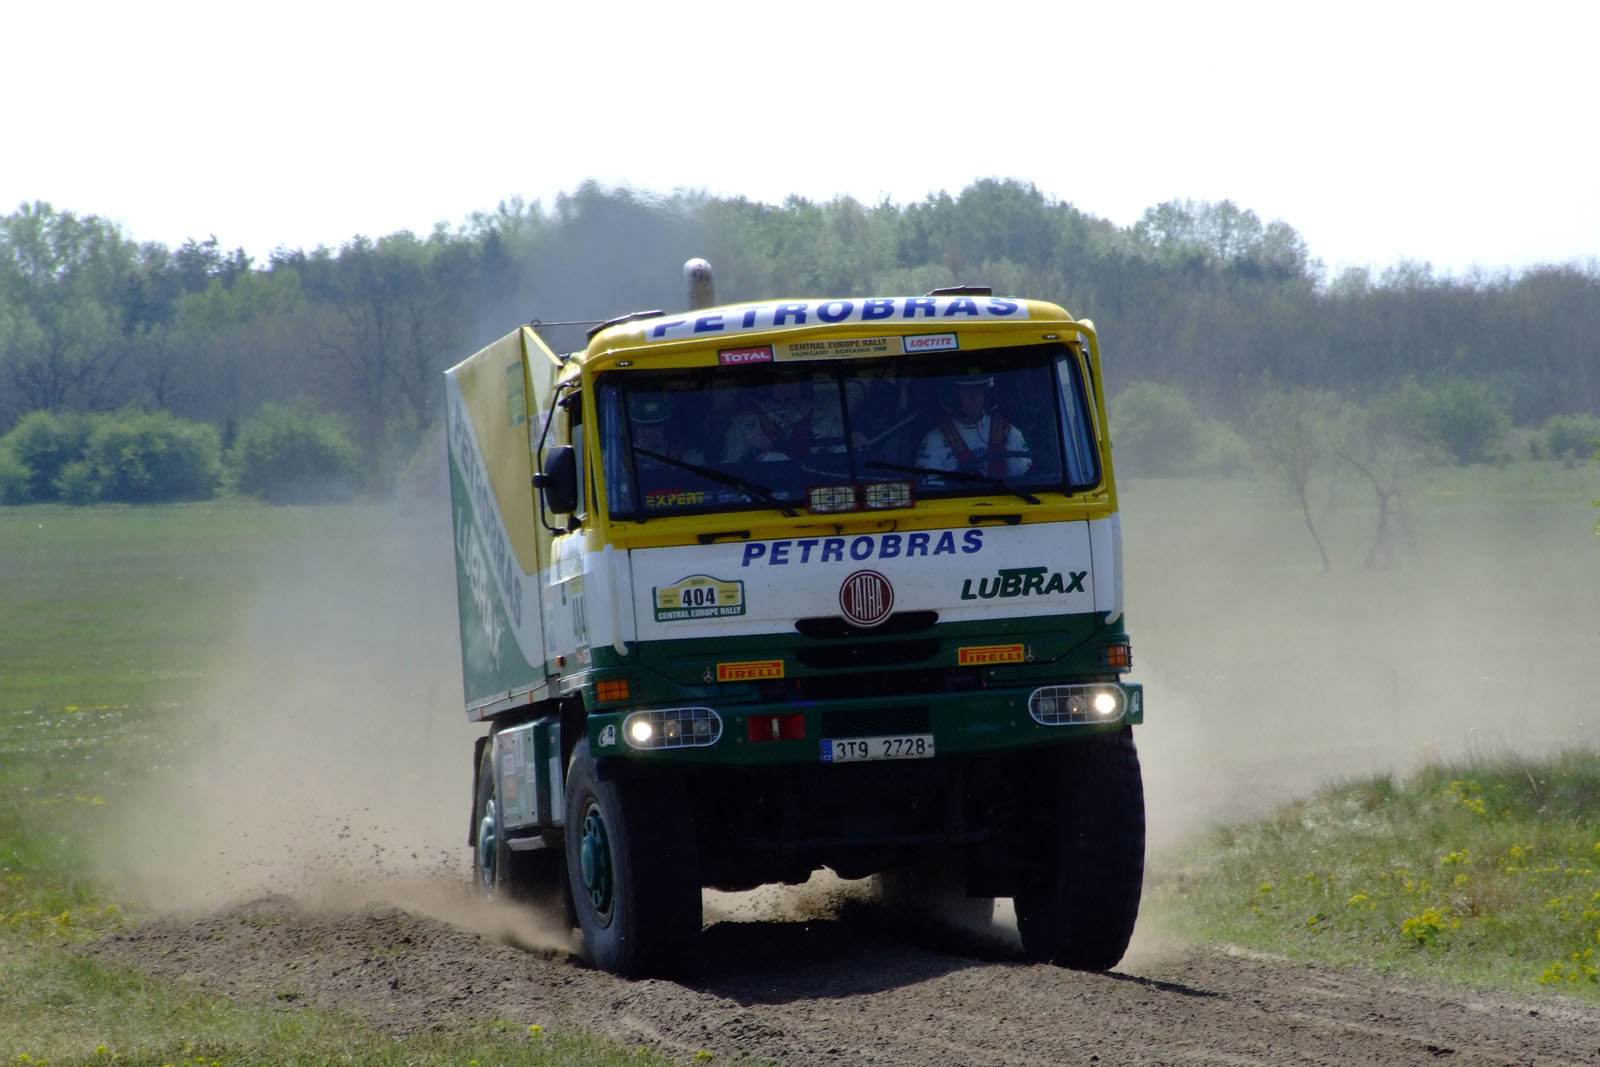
614 450
574 405
1077 431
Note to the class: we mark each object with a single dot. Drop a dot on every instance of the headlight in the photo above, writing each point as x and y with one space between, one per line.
1069 705
672 728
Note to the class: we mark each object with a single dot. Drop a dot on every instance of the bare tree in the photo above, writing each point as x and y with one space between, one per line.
1296 431
1387 458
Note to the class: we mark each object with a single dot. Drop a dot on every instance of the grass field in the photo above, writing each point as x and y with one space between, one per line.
1486 873
141 649
1402 759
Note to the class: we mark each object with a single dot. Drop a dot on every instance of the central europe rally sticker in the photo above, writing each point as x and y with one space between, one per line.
699 596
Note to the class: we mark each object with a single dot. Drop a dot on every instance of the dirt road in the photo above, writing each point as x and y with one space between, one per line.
843 989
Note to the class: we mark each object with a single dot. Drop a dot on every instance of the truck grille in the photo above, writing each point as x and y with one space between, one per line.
871 722
877 654
836 626
868 684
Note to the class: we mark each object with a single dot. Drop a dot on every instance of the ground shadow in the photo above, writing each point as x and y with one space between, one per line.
862 949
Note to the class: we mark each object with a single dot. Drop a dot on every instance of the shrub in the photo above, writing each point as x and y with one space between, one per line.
140 458
1572 437
76 483
1223 452
1155 430
43 442
294 456
1462 420
16 479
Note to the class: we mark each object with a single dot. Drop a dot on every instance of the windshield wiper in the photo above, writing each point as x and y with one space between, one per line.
963 476
760 492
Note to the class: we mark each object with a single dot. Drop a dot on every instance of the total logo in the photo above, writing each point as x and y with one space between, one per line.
738 357
866 598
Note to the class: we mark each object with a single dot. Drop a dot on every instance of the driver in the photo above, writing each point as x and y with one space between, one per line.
973 438
651 415
782 421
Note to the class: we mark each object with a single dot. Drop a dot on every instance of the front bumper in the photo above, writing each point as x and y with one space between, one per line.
791 733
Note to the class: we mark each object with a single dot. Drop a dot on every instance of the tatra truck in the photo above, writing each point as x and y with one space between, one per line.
752 590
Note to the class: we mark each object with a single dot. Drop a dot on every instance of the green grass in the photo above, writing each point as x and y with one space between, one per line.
1487 873
64 1009
118 605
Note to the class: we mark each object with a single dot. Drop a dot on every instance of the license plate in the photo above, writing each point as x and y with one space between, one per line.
861 749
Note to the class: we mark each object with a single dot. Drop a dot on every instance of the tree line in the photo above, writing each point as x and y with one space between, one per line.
1199 297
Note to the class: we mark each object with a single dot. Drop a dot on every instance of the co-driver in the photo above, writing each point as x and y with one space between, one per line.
972 438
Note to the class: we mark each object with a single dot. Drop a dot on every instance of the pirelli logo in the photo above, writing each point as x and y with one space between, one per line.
751 670
981 655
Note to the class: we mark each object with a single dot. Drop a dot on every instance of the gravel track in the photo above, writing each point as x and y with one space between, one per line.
843 989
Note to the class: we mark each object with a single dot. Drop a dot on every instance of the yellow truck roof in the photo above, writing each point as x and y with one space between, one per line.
780 330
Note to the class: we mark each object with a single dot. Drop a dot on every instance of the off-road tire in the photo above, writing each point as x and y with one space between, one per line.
645 918
535 878
1077 905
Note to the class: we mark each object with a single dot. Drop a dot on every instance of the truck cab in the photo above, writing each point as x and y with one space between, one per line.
757 589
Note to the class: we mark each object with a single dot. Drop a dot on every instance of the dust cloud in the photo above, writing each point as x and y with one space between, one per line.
1267 678
328 758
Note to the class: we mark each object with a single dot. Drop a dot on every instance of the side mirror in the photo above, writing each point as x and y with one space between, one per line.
559 480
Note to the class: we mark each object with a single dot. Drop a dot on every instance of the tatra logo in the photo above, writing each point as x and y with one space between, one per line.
750 670
1023 581
866 598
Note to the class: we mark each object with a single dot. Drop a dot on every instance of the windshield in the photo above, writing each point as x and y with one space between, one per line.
1000 421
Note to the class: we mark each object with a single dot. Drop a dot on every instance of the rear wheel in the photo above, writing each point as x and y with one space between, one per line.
634 870
1078 903
534 877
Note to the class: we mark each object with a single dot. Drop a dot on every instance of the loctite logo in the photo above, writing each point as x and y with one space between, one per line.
931 342
866 598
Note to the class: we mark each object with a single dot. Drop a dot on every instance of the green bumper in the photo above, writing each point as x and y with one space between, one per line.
964 723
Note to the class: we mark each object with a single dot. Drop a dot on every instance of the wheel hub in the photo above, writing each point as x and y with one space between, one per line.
594 854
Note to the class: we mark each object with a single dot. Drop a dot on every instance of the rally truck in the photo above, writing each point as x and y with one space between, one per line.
752 590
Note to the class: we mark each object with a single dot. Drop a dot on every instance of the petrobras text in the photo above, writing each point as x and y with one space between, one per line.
808 550
749 318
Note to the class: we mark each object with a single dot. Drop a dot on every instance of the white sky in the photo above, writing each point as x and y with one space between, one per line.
1460 133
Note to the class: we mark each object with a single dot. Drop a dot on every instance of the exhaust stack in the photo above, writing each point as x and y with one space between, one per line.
702 289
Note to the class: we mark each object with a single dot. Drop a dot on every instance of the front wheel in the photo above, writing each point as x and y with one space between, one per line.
1077 905
634 870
